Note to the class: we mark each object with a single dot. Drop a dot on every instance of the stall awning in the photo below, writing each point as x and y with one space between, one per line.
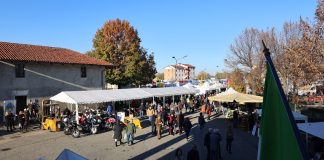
232 95
170 91
298 116
100 96
315 128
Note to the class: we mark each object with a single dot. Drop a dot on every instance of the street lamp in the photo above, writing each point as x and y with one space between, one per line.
175 70
216 76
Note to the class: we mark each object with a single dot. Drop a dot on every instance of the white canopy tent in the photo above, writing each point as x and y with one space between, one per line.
230 95
298 116
169 91
101 96
189 85
227 92
315 128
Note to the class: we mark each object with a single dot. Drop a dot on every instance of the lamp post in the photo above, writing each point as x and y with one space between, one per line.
175 70
217 72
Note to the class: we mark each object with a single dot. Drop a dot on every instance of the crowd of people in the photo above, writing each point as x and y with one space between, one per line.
171 118
30 113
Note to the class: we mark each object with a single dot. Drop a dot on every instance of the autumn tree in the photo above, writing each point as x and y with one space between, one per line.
222 75
159 76
118 43
246 55
303 53
297 52
203 75
237 80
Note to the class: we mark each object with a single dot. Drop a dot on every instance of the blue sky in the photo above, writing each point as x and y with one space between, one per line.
203 30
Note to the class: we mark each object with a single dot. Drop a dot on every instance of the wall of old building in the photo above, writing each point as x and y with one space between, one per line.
45 80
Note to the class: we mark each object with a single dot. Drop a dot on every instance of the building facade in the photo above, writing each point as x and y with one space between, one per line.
179 72
30 72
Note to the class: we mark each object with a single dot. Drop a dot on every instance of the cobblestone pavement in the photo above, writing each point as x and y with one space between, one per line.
47 145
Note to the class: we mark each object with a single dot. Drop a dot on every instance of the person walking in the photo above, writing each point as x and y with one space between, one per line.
163 117
26 119
201 121
180 122
11 121
118 133
207 142
130 131
153 126
235 118
251 122
193 154
170 123
142 109
8 122
229 139
179 155
214 145
219 139
209 111
203 109
158 124
150 114
187 127
21 118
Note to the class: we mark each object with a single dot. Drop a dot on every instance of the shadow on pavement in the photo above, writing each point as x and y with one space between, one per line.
158 148
244 146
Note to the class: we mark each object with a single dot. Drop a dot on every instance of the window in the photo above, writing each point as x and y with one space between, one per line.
20 70
83 72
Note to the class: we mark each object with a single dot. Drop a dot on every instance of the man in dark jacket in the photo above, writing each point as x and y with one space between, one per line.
201 121
8 121
187 127
153 126
193 154
180 120
118 128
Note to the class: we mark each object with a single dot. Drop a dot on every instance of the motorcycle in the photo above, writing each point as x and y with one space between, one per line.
110 122
85 126
67 126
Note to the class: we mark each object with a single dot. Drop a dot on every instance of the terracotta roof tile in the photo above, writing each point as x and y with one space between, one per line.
189 65
178 67
34 53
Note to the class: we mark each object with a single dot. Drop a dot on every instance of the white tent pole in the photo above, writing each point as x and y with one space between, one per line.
163 101
114 106
172 98
77 113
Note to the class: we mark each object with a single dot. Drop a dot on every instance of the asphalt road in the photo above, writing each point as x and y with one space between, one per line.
48 145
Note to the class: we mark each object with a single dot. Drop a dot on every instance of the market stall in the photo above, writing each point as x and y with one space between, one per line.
101 96
315 128
231 95
298 116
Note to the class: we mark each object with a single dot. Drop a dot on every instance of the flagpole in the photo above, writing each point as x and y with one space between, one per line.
259 145
285 102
